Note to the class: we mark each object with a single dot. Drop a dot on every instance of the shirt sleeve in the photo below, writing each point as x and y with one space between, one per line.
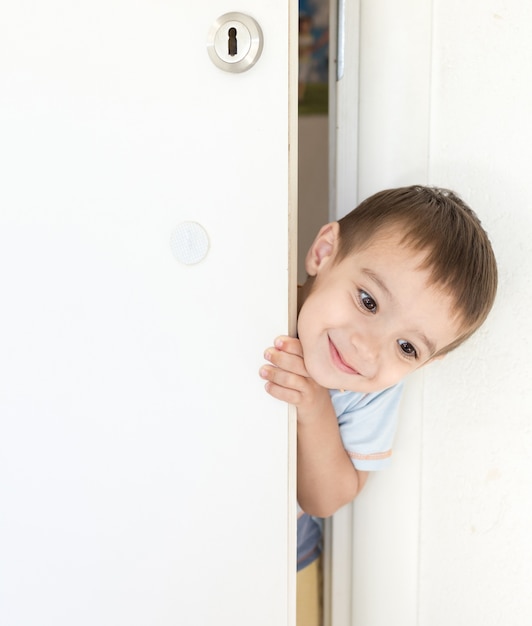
368 427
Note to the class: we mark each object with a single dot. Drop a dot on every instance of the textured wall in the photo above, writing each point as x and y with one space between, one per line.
445 97
476 515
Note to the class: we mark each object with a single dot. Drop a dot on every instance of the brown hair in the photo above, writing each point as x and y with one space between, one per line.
459 253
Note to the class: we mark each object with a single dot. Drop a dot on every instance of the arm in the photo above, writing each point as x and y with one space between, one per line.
326 477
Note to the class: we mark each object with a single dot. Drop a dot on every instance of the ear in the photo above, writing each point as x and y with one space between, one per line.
323 248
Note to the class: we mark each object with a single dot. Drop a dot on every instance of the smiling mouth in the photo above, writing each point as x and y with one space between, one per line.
339 362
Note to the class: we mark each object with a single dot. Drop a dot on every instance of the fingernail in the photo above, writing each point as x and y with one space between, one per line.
263 372
278 343
268 355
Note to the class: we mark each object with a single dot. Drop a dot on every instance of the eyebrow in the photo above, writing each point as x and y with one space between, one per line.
430 344
378 281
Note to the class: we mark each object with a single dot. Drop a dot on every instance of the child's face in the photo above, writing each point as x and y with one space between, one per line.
372 318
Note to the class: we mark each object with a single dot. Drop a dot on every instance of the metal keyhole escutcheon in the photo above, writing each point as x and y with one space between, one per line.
235 42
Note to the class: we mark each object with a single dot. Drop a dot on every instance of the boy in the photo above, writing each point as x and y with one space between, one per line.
397 283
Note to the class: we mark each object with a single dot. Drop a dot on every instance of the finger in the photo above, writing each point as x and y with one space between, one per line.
286 361
281 393
291 345
283 378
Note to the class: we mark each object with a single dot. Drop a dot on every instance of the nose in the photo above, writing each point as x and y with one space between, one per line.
367 345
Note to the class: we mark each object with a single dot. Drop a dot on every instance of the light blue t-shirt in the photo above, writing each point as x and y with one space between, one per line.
367 423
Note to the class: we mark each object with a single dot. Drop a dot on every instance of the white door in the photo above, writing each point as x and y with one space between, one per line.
144 470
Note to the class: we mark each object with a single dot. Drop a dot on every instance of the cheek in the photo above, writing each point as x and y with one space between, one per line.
394 368
310 337
306 323
307 336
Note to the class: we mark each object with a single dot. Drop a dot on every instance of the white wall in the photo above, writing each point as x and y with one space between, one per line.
444 536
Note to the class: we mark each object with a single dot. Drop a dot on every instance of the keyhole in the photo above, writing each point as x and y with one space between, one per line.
231 42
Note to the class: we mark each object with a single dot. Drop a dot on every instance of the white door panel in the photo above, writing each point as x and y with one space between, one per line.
144 474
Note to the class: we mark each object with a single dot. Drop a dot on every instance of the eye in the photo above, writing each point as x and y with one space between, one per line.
407 348
367 301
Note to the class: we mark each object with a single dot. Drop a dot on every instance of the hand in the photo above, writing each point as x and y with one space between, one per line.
288 379
326 477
